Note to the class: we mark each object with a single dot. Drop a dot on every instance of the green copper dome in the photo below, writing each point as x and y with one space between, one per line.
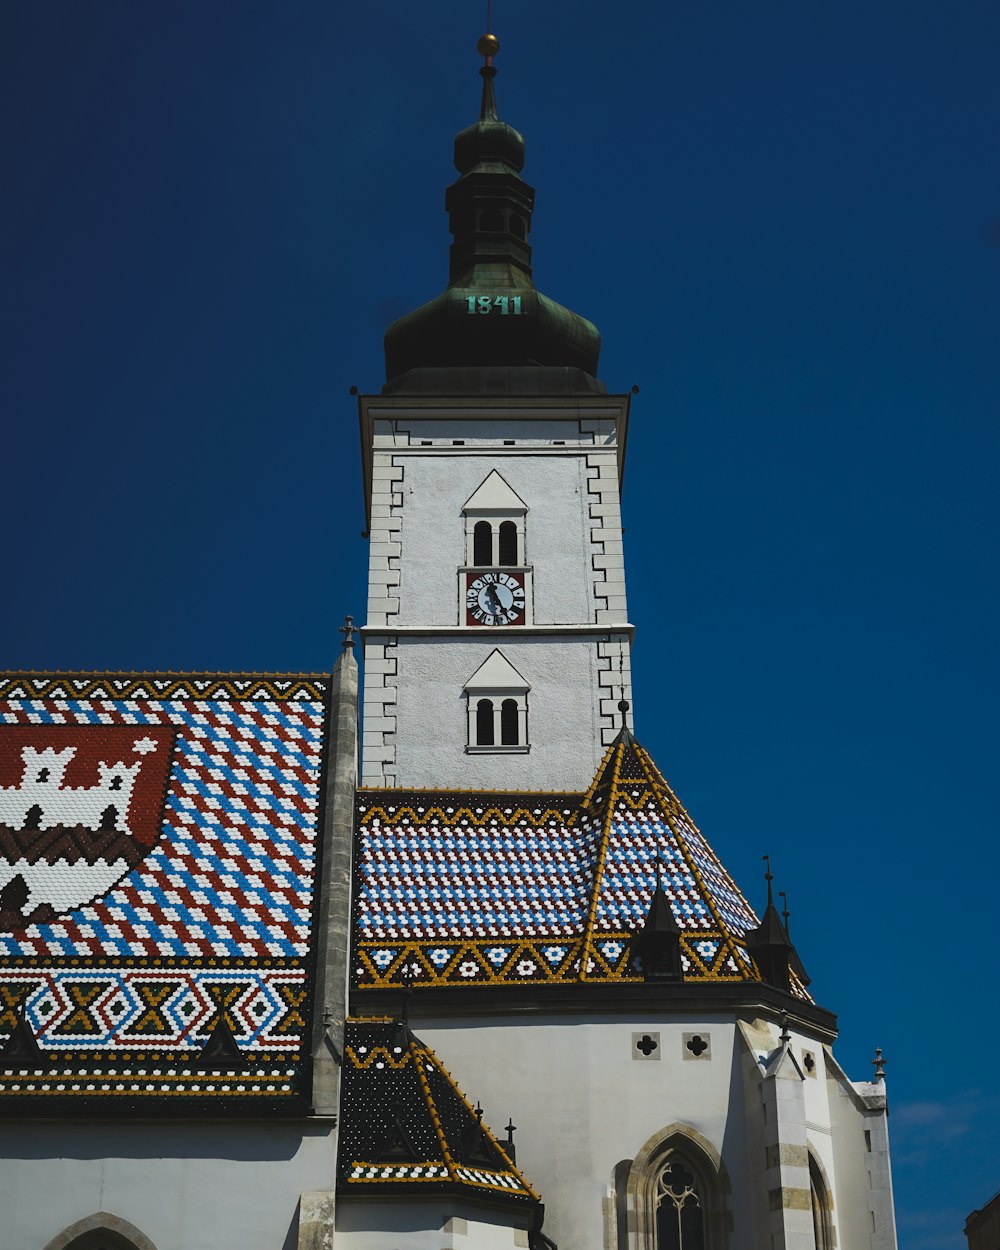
491 314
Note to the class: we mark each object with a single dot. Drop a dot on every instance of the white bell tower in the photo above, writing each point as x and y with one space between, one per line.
497 640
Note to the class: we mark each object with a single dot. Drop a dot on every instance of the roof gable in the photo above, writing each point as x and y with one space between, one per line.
497 673
494 495
467 888
406 1126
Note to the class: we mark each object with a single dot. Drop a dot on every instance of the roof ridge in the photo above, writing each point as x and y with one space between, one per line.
425 1089
669 800
660 781
601 767
459 1093
606 821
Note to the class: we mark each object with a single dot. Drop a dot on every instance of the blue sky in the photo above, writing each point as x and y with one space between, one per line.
785 220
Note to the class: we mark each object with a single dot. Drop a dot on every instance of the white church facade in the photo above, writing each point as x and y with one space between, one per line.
462 974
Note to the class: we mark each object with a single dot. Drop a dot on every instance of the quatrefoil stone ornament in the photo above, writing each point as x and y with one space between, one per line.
697 1046
646 1045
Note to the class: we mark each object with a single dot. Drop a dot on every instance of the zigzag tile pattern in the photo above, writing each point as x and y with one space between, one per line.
212 923
232 874
498 889
168 1010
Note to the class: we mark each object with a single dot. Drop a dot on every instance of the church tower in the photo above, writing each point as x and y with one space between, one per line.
247 1001
497 641
530 896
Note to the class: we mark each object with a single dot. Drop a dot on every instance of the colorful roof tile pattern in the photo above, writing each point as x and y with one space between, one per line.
406 1126
158 838
483 889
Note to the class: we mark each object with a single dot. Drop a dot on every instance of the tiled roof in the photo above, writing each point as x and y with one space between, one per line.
492 888
405 1124
157 850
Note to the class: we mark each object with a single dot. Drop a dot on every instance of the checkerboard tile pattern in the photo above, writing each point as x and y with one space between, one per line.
488 889
214 923
232 873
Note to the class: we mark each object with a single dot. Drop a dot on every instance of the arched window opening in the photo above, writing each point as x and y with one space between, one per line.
517 226
102 1239
484 723
497 708
482 544
820 1207
674 1195
508 723
100 1231
508 544
680 1223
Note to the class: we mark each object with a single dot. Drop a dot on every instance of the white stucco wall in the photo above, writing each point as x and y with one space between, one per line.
564 717
433 1224
424 469
557 540
195 1186
582 1104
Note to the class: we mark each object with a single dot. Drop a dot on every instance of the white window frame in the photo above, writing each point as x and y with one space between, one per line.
494 520
497 680
494 500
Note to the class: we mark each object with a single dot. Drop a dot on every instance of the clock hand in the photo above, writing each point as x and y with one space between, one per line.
493 599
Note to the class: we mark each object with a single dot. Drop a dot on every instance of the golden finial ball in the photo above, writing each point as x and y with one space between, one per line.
488 45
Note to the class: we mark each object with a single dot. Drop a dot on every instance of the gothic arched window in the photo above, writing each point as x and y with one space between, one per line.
820 1196
680 1217
674 1195
101 1231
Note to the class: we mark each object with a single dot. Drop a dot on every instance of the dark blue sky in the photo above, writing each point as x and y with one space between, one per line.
784 218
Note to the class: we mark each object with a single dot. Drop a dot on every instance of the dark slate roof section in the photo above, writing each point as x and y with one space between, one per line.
407 1128
487 888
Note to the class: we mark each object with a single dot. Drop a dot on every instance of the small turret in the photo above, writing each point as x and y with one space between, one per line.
659 942
770 946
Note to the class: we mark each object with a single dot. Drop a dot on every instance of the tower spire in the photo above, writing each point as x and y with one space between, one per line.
491 314
487 47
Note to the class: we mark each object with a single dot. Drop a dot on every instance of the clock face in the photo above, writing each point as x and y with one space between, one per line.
495 598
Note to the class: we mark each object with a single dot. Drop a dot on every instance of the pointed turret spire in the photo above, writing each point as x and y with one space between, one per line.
660 938
771 947
21 1049
221 1050
491 314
